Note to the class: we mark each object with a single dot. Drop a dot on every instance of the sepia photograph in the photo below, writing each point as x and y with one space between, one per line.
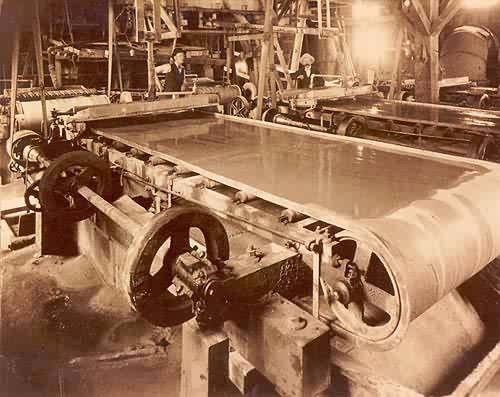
250 198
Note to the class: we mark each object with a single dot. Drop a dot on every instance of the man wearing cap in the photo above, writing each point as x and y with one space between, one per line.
174 72
305 71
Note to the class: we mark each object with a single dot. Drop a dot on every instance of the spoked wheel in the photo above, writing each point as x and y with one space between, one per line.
32 197
60 183
239 107
363 295
164 239
352 126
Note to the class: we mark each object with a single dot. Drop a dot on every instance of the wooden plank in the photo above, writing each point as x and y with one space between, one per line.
205 360
305 30
246 37
448 13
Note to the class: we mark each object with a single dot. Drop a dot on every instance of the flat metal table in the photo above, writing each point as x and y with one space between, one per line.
348 178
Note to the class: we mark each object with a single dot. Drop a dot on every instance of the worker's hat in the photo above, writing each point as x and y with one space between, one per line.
177 51
307 59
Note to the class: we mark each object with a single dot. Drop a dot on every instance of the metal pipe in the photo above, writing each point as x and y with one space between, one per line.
284 120
113 213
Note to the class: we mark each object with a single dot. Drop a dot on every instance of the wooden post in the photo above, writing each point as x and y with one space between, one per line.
118 64
157 20
264 56
396 67
434 52
270 73
178 16
229 59
299 36
282 61
68 21
151 71
111 34
13 88
37 41
139 20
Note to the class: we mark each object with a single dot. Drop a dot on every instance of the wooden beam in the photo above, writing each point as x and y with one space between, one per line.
118 62
229 60
448 13
264 56
332 32
151 71
157 19
139 20
396 68
246 37
282 61
424 19
37 41
299 35
177 13
13 76
434 53
68 21
111 37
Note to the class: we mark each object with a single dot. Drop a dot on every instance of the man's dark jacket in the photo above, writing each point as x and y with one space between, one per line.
174 79
305 82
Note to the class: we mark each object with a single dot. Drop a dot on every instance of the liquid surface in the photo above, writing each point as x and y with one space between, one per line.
356 180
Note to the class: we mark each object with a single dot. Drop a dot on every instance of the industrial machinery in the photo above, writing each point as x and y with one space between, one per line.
447 129
363 237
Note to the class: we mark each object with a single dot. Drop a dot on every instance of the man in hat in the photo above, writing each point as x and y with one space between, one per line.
175 71
305 71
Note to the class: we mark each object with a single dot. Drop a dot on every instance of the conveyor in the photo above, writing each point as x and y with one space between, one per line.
421 215
366 237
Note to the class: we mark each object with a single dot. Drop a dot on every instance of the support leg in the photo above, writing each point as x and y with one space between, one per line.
205 357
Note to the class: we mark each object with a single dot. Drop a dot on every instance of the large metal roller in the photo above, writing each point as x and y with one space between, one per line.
404 263
29 113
